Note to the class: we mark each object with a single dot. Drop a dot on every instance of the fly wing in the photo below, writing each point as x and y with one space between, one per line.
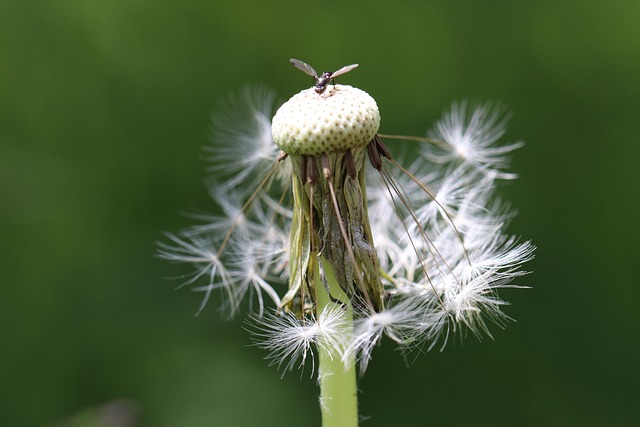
343 70
304 67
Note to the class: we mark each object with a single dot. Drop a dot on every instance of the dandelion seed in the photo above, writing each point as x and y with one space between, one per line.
470 137
291 340
399 322
244 123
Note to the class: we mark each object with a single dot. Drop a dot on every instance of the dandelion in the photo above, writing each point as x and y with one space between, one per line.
333 244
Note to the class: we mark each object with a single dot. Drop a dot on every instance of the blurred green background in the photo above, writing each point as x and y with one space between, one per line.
105 106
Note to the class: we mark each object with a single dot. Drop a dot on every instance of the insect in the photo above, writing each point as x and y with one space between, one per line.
322 80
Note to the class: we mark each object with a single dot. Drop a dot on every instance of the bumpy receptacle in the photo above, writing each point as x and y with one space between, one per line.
341 118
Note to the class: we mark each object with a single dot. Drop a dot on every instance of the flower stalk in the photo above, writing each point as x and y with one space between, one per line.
338 388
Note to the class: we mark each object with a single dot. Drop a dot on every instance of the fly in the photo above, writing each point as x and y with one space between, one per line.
322 80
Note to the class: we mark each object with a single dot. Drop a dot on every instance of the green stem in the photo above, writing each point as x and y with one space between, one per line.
338 389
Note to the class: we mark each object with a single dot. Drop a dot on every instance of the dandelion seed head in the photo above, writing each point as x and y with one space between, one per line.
421 252
343 117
